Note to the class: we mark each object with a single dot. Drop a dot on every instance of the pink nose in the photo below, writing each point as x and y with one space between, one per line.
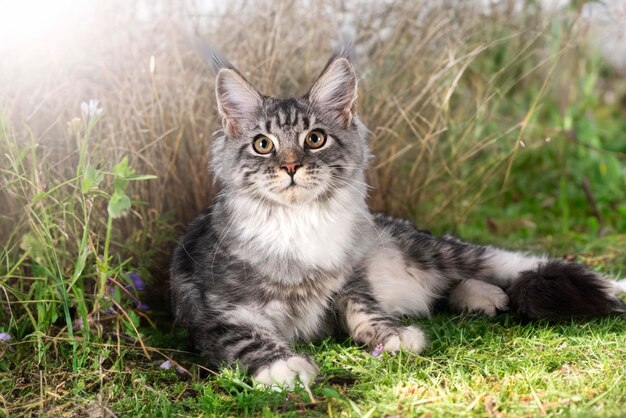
291 168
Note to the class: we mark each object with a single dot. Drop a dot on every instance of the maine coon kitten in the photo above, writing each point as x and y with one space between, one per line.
290 252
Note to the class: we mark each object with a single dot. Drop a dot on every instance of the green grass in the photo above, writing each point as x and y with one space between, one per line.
473 366
570 367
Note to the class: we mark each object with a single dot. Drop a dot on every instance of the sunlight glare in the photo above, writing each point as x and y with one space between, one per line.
24 23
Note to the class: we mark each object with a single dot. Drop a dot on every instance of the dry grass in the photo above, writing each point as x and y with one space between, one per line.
412 58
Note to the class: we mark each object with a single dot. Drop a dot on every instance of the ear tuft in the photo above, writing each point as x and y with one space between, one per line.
236 98
336 89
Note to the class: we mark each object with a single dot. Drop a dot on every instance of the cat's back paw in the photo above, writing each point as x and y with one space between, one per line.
479 297
408 339
284 373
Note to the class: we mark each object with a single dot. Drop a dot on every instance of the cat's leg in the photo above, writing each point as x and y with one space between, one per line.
368 323
244 337
536 286
400 285
539 287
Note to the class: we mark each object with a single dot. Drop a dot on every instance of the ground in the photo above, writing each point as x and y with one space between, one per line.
473 365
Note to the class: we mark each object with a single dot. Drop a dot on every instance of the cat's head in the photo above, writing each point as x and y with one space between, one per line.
293 150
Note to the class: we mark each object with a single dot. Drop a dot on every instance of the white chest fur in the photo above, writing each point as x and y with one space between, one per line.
314 235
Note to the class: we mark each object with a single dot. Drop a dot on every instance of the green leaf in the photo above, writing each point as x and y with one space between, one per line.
92 178
122 169
88 179
133 317
120 184
81 261
332 393
119 204
54 315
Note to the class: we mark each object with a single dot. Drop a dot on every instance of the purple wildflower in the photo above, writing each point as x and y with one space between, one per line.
110 310
166 365
5 337
180 370
77 324
137 281
142 306
378 350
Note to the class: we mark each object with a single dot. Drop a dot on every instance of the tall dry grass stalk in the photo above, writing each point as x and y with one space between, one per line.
435 78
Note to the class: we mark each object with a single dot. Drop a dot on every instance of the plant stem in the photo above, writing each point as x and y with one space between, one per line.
105 266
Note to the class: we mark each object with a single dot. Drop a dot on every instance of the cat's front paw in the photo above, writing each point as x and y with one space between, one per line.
407 338
284 373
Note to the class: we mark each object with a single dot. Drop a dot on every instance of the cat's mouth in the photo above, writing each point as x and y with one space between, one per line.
292 184
292 189
295 191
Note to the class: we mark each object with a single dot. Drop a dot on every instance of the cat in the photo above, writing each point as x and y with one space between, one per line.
289 251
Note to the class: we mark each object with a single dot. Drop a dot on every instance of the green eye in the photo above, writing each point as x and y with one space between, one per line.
315 139
263 145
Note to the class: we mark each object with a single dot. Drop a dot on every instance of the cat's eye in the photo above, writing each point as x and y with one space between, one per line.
315 139
263 145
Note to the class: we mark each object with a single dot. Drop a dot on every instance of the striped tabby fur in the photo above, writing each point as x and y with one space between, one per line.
290 252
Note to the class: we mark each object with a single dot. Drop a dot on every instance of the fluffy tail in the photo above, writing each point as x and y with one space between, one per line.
558 289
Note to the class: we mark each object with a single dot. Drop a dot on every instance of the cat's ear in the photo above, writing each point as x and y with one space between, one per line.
237 99
335 90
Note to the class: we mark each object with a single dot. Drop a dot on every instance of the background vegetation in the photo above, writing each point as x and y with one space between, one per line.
496 122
